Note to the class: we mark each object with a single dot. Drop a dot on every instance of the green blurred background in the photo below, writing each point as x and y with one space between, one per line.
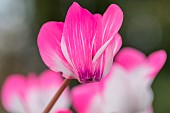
146 27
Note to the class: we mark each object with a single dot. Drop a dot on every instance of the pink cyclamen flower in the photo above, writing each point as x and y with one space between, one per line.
31 94
84 45
126 89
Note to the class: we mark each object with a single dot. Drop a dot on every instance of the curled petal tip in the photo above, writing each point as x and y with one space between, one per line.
75 3
157 60
75 6
134 57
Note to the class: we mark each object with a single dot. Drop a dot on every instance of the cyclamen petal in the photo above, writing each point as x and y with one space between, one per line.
49 39
136 58
79 31
111 23
80 46
10 95
32 94
157 60
111 51
126 89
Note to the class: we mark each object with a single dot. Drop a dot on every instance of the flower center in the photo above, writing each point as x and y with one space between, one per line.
88 76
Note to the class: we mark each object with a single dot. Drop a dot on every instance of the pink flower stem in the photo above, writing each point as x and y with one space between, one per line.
57 95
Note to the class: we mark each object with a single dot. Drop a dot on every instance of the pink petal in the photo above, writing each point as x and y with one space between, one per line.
111 51
97 42
50 78
111 23
31 81
79 31
157 60
82 96
129 58
49 40
13 91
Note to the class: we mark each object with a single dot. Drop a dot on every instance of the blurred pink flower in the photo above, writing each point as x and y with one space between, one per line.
84 45
31 94
126 89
